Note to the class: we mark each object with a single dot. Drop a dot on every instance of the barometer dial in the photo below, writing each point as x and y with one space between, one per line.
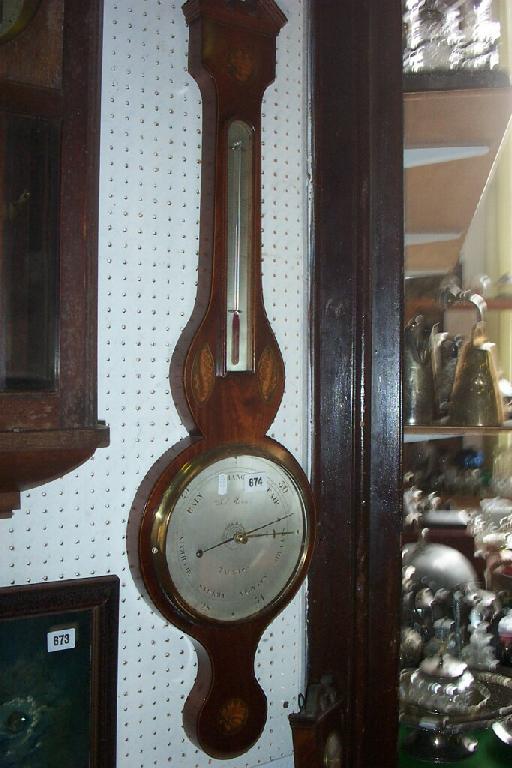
229 537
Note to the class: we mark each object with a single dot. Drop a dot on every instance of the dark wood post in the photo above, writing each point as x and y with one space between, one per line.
354 585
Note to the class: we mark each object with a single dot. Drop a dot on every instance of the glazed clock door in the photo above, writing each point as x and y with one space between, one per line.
458 182
50 74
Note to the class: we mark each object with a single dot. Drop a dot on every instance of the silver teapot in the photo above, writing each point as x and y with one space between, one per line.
418 387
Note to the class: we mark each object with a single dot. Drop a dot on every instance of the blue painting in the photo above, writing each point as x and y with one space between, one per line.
45 690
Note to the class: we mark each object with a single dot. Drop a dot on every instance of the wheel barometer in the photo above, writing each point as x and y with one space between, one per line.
228 522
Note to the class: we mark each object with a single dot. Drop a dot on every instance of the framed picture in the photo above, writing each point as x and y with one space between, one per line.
58 674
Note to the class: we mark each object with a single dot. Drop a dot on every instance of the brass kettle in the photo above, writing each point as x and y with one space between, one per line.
476 399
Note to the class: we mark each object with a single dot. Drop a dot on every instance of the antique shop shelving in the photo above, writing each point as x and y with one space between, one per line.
452 136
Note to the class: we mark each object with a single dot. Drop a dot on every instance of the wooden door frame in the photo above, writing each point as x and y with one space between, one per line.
354 583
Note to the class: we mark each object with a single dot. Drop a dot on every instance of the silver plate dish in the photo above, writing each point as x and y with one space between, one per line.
440 736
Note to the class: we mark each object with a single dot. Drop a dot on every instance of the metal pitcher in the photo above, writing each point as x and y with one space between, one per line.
476 399
418 387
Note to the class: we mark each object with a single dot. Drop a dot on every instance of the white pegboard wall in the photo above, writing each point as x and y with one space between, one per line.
149 229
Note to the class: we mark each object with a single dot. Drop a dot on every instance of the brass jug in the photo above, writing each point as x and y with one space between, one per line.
418 389
476 399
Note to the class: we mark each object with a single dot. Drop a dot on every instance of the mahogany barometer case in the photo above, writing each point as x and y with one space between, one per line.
227 520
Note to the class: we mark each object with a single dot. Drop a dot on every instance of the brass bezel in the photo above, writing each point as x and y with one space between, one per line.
25 16
182 478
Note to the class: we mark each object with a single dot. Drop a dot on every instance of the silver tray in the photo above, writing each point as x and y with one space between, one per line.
440 737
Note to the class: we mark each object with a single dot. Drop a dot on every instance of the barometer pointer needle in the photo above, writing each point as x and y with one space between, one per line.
201 552
273 522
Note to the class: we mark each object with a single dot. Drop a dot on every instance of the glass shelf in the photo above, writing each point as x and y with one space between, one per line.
419 434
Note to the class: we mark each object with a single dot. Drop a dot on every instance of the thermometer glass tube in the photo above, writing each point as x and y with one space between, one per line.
239 352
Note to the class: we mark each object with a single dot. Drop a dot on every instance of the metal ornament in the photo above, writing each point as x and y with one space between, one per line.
476 399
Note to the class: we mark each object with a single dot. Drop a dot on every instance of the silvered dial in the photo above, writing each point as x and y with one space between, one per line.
235 534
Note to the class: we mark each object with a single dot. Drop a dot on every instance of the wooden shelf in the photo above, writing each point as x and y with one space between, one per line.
416 157
31 457
451 141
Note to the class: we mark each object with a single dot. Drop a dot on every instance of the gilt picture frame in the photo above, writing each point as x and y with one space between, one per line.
58 674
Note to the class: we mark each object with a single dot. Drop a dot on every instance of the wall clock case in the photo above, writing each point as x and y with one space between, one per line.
50 57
